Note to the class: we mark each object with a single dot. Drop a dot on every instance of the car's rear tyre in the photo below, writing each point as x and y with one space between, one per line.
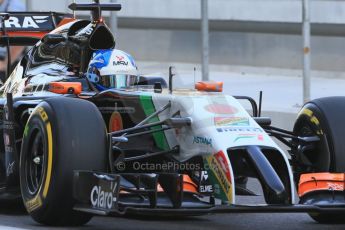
61 135
323 117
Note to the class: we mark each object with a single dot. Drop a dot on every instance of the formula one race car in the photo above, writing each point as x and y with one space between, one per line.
80 139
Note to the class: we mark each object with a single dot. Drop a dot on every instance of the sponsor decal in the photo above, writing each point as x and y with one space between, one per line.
313 119
204 176
206 188
244 136
7 139
205 185
10 169
220 167
28 22
221 109
240 129
120 61
115 122
102 197
309 113
202 140
33 204
42 114
120 58
221 159
117 109
231 121
88 31
334 186
9 149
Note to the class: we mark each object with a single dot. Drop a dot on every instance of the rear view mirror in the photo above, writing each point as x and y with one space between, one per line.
157 87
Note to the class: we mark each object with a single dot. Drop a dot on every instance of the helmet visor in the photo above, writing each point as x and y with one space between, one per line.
117 81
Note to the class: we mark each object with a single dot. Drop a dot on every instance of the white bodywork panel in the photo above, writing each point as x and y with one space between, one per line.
219 122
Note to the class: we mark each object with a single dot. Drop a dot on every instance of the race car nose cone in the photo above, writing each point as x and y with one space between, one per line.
271 182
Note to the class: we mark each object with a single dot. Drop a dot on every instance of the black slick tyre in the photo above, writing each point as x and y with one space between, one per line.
61 135
323 117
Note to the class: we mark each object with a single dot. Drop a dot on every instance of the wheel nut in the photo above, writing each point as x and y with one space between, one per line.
37 160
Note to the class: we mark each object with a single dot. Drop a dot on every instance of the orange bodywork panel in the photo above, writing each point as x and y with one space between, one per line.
209 86
65 21
115 122
188 185
321 181
32 34
65 87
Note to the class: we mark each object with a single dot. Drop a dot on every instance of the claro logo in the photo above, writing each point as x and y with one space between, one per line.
25 22
103 199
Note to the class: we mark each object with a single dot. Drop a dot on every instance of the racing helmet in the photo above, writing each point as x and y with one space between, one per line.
112 68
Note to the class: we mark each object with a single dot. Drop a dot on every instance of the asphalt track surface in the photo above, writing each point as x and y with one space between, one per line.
15 217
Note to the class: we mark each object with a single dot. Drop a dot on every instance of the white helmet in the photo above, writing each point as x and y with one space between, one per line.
112 69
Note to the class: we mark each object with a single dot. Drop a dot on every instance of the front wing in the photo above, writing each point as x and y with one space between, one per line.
137 194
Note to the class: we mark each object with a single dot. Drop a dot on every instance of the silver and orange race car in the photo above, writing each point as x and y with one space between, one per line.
72 151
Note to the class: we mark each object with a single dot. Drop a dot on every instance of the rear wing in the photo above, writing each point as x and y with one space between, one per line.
27 28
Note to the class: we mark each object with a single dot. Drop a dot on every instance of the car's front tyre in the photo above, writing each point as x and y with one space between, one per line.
323 117
61 135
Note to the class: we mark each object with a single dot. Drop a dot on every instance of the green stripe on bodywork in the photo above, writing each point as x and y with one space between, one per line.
149 108
243 137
